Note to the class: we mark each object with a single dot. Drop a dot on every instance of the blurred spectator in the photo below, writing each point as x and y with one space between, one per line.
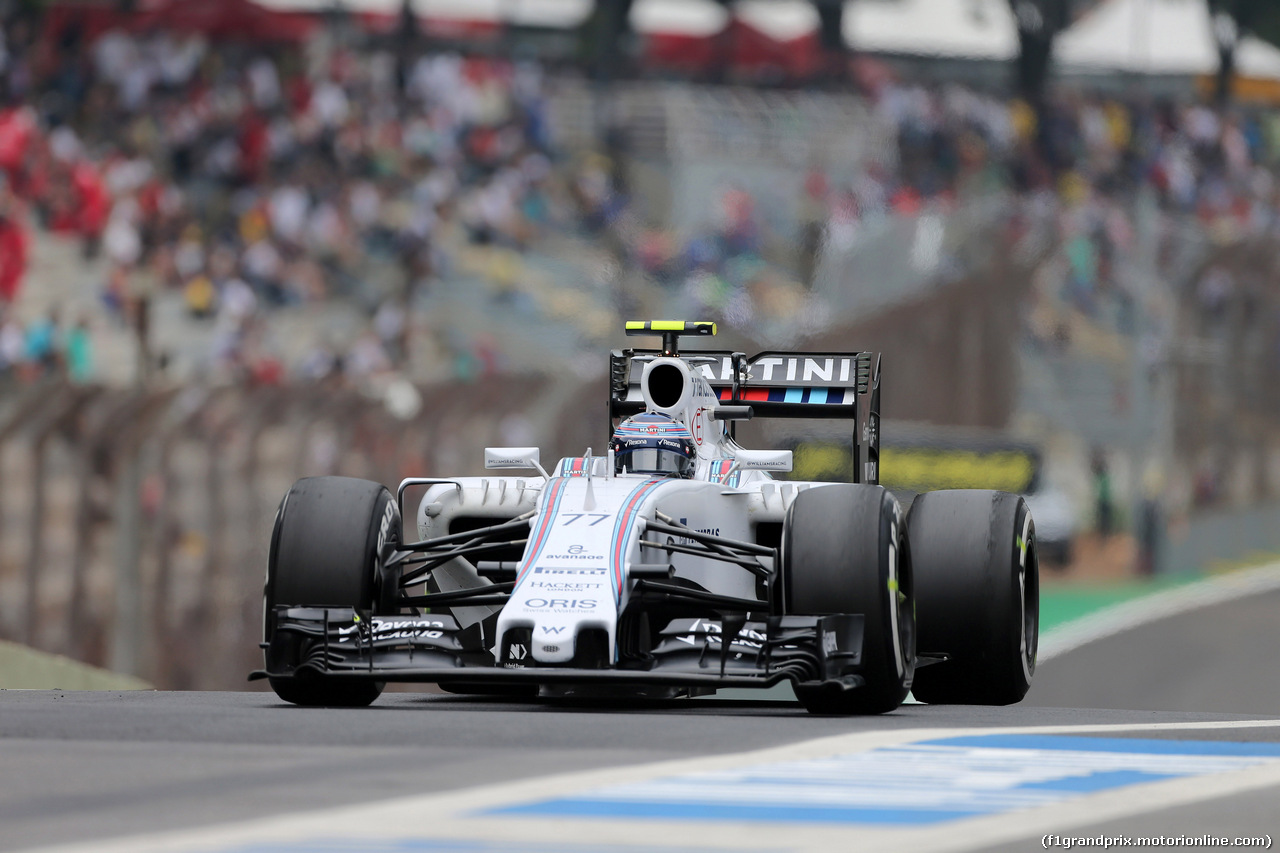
79 353
44 344
13 342
13 246
18 127
1213 293
1151 522
367 356
1104 509
390 325
199 295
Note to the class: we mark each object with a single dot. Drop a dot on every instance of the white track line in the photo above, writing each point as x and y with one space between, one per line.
453 815
1127 615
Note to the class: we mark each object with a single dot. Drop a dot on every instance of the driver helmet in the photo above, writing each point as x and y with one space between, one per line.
653 444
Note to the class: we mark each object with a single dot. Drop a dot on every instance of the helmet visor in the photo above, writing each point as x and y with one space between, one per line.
653 460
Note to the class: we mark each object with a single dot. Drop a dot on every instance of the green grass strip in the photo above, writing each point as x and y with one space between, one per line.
23 668
1062 604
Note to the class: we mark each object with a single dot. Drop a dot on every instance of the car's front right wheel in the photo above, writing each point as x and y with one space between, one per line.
325 553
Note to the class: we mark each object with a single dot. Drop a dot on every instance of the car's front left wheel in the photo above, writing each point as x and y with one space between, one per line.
844 552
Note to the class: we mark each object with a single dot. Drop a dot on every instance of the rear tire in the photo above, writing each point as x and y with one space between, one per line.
324 553
843 552
977 596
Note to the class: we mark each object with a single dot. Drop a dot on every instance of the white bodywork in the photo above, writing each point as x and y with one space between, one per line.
586 531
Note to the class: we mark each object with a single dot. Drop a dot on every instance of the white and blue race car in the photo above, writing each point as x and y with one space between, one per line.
673 565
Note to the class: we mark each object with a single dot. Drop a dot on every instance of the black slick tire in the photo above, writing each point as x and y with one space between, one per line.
843 552
324 553
977 596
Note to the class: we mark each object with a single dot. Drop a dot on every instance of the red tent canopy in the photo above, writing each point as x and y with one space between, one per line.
454 29
742 46
757 51
226 19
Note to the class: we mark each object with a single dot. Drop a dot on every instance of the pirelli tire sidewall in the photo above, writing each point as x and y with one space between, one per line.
977 596
327 545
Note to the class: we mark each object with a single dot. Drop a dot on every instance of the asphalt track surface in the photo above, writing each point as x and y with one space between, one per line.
91 767
1224 659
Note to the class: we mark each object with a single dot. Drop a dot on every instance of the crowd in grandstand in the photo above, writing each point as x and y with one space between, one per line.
246 178
252 184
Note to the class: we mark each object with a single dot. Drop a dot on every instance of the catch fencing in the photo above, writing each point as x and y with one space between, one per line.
134 524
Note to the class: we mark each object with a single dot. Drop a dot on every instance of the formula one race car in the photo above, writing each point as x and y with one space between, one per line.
673 565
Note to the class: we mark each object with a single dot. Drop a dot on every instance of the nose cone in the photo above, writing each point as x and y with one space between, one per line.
553 642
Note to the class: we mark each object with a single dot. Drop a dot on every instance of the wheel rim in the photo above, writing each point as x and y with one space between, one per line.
895 594
1030 611
901 603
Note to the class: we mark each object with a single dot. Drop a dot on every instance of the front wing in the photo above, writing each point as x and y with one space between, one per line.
341 643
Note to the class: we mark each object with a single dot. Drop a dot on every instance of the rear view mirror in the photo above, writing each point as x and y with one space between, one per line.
763 460
514 457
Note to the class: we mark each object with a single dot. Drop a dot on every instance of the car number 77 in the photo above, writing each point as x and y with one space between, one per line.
571 517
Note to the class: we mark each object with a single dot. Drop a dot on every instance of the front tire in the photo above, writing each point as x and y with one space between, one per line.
325 553
843 552
978 596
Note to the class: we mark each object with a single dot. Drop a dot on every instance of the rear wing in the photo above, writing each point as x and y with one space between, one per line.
775 385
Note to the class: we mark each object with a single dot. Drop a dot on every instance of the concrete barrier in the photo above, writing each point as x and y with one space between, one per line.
1224 536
